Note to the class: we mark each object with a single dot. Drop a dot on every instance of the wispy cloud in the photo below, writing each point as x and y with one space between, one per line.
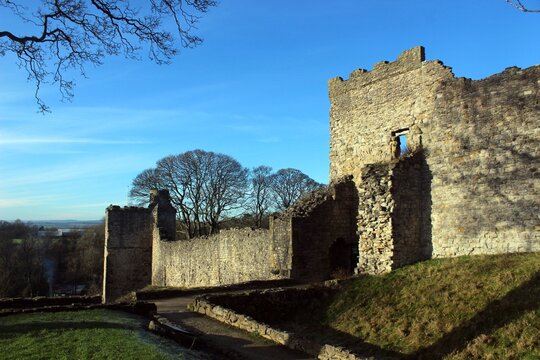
53 140
72 171
23 201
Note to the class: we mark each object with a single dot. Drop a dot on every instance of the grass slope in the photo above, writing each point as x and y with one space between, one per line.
89 334
472 307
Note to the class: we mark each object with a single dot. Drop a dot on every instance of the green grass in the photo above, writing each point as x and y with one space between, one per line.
88 334
477 307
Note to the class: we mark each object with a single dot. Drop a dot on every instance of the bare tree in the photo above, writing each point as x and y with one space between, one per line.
84 263
204 186
288 185
260 196
518 4
8 262
143 183
69 34
225 189
30 256
174 176
21 260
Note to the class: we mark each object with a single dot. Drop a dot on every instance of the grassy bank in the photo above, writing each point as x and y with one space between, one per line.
89 334
483 307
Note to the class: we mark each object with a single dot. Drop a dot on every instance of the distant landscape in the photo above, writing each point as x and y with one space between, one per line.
51 258
65 224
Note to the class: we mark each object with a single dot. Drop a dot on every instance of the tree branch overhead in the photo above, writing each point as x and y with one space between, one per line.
518 4
70 34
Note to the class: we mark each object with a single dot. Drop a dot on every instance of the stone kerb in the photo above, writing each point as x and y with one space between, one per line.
204 306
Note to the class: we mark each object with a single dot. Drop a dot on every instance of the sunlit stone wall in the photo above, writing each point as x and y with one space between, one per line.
478 143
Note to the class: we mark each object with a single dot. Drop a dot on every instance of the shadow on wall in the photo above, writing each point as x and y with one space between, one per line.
411 218
323 237
493 159
343 258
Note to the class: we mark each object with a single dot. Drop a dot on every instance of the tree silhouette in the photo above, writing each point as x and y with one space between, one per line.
518 4
204 187
66 35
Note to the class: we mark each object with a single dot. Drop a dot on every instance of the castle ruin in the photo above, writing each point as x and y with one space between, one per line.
422 164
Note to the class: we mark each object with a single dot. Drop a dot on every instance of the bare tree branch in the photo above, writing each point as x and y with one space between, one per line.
289 185
69 34
204 187
518 4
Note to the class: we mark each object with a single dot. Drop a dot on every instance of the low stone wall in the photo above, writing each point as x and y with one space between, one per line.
164 327
205 306
272 306
230 257
36 302
145 309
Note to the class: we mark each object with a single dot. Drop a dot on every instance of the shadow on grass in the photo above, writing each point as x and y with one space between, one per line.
259 348
9 331
327 335
495 315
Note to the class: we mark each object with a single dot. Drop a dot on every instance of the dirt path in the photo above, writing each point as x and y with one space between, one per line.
232 342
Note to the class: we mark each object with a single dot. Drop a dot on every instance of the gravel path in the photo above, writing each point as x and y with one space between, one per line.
230 342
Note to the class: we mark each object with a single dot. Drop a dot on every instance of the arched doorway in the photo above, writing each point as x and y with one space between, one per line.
342 258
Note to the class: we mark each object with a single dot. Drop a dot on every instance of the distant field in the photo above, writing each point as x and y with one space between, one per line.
89 334
477 307
65 224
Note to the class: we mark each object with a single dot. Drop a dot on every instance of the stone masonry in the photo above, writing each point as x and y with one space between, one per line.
230 257
129 233
301 244
422 164
469 181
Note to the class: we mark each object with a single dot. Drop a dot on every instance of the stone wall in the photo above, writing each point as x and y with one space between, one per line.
394 208
484 155
129 234
411 220
376 204
465 183
473 189
315 238
282 251
323 226
273 306
370 107
230 257
261 314
128 251
298 245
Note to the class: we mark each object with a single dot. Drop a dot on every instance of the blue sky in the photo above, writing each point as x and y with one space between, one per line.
256 90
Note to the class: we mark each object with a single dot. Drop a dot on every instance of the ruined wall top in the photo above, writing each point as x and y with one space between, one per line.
160 197
126 209
408 60
337 190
